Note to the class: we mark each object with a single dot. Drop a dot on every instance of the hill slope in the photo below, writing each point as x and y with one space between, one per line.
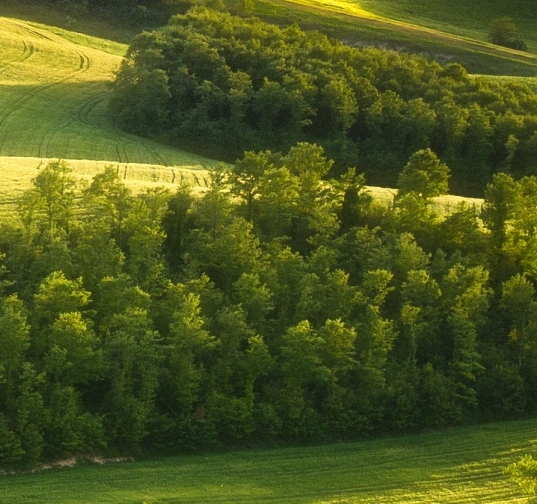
54 94
453 31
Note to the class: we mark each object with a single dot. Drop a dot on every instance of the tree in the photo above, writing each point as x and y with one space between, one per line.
109 199
74 356
133 355
303 372
503 31
14 341
141 98
424 174
51 197
57 295
145 238
246 176
466 296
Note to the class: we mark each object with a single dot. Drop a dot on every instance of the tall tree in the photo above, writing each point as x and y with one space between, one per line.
51 197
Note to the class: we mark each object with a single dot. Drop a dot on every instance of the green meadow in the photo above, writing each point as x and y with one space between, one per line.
464 465
447 31
54 88
459 17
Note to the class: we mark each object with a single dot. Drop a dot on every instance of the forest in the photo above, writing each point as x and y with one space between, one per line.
223 84
281 305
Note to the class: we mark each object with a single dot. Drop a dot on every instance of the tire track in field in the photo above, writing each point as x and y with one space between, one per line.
28 50
82 116
84 64
44 143
123 141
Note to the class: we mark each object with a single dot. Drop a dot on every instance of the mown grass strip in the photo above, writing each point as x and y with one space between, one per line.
454 466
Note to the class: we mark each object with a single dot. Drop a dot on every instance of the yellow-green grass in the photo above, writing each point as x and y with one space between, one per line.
54 89
462 465
16 174
469 19
444 205
372 22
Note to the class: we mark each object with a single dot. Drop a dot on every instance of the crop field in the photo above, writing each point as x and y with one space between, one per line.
446 31
464 465
54 87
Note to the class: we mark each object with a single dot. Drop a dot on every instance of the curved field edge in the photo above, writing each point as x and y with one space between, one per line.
463 465
16 174
54 89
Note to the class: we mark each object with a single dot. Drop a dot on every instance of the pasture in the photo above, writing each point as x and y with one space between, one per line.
447 31
468 19
463 465
54 88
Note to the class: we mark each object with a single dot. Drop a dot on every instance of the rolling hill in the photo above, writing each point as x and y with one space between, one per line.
54 83
446 31
54 87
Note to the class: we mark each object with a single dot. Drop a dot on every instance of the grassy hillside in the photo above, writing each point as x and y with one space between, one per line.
54 87
453 466
446 31
460 17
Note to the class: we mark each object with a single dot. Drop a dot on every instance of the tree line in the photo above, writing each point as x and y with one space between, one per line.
224 84
281 305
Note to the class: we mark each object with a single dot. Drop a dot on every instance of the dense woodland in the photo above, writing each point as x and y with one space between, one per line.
283 304
224 84
278 306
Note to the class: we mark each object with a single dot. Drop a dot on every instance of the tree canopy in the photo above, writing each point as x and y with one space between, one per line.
278 306
223 85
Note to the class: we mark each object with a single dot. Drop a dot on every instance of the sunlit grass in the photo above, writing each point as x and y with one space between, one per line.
454 466
54 91
470 19
408 26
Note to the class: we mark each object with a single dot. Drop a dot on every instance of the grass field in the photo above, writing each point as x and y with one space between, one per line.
54 87
454 466
447 31
460 17
55 83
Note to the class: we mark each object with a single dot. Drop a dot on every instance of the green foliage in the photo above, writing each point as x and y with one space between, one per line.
241 85
503 32
524 473
295 311
425 175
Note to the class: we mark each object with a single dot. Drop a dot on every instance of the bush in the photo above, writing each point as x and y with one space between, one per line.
503 32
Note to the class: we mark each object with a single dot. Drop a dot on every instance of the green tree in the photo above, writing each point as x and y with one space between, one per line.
133 355
503 31
57 295
524 474
109 199
14 341
146 238
303 372
51 197
141 98
424 174
246 175
518 301
74 355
